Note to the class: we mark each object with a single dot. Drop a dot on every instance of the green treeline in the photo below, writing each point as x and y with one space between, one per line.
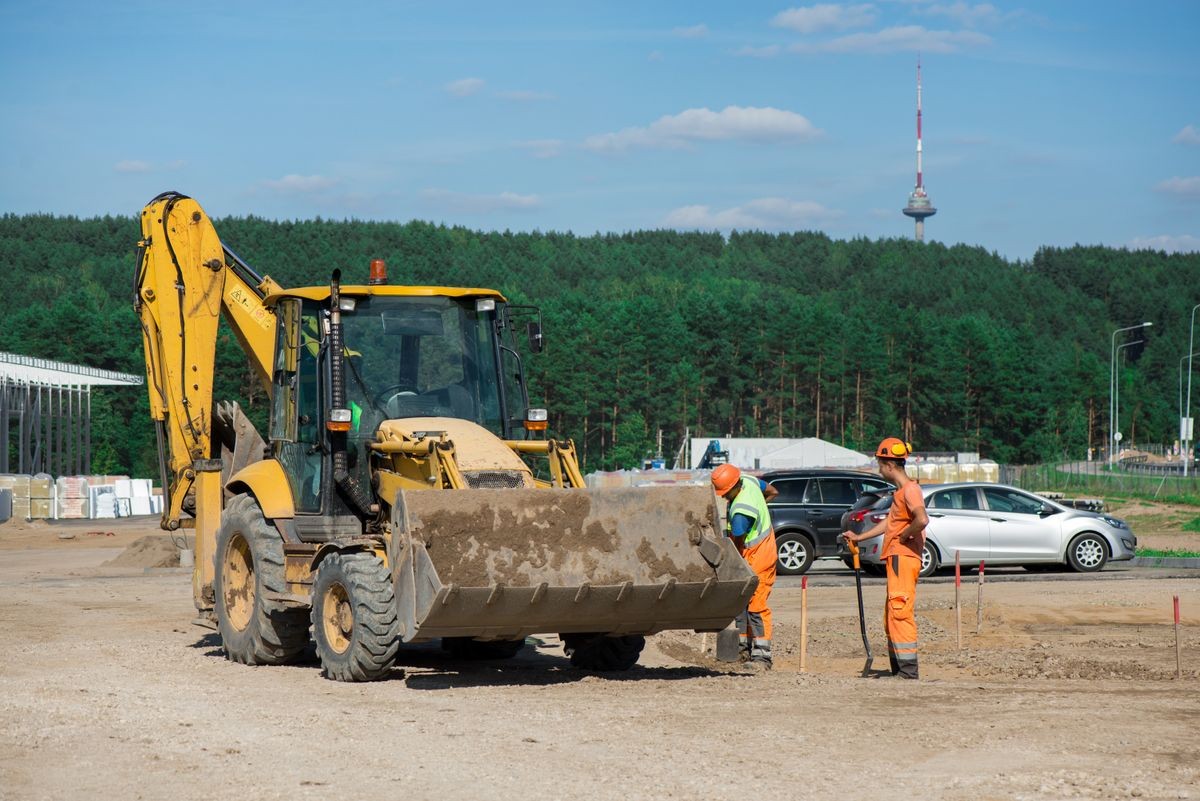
755 335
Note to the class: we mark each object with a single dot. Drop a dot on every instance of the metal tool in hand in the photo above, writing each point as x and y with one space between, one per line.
862 620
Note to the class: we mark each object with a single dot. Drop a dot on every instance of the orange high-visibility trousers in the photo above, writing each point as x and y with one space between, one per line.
761 557
899 620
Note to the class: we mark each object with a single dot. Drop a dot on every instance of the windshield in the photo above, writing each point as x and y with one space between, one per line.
421 357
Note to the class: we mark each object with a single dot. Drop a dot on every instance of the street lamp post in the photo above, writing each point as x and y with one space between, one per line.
1182 359
1117 387
1187 447
1112 383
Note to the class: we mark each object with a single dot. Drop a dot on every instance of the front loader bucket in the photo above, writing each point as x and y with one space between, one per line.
504 564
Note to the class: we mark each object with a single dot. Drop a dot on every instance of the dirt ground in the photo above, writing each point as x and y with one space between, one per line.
106 691
1159 525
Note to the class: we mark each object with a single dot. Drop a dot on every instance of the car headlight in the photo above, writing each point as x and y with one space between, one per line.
1114 522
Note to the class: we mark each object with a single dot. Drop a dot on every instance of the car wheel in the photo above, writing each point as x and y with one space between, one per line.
796 554
1087 553
929 560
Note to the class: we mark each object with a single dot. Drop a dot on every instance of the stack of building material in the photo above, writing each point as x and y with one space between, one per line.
102 500
139 499
72 497
41 497
20 494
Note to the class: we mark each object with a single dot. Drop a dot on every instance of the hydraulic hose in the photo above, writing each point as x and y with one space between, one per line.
349 486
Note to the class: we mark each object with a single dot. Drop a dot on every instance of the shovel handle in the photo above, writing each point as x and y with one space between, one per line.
854 552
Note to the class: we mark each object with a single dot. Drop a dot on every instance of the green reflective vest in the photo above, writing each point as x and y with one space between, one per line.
751 503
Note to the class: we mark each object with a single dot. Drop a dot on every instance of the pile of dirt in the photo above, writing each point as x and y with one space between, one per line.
155 550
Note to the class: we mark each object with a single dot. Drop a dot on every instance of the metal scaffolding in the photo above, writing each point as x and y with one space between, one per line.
46 414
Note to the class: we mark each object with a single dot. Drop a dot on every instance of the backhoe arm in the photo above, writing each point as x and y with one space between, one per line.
185 279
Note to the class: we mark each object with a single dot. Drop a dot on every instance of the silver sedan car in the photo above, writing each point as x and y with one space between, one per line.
1003 525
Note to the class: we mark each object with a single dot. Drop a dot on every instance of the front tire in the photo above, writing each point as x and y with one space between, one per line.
1087 553
795 554
255 630
602 652
354 617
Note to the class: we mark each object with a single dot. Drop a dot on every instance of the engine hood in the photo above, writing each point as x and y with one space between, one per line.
475 448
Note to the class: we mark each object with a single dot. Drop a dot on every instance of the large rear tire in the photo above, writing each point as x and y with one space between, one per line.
354 618
602 652
466 648
255 630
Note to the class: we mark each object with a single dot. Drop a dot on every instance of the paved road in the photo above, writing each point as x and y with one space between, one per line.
832 573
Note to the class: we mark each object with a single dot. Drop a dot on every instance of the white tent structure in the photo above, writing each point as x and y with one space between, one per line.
781 454
813 452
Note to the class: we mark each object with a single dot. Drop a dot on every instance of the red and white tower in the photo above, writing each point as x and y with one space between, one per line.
919 205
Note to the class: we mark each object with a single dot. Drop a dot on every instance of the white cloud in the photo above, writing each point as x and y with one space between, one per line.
300 184
655 55
1171 244
1182 187
481 204
521 96
693 32
702 124
767 51
763 214
1188 136
966 14
897 39
464 86
824 17
132 166
544 148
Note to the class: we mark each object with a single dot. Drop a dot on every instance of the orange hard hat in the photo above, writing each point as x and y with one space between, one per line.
725 477
892 448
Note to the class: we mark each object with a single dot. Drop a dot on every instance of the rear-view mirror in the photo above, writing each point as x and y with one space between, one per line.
534 331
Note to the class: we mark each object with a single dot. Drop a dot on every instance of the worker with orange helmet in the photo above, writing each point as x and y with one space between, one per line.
903 541
748 523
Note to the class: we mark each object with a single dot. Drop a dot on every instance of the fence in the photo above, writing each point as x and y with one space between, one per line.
1079 479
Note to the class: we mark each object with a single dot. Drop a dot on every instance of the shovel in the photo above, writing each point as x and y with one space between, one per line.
862 620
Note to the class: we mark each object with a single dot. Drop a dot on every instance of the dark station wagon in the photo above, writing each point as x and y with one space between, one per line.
807 513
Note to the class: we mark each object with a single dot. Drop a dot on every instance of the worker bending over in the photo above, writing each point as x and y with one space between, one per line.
903 541
748 522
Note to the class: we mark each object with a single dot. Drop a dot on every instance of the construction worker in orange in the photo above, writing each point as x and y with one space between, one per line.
903 540
748 522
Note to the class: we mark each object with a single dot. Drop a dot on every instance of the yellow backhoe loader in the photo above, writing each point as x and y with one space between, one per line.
400 494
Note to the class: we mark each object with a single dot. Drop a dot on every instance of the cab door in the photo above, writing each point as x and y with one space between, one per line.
1019 532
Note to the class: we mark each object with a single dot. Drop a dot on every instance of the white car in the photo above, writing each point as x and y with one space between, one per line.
1003 525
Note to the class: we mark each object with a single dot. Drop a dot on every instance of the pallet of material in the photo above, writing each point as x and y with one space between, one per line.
41 487
18 484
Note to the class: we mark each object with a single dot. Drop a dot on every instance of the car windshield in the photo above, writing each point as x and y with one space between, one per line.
422 357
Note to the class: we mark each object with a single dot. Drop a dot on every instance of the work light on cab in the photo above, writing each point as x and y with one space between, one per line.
536 420
339 420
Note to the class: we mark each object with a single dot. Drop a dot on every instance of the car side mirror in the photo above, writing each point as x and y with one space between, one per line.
1047 510
536 342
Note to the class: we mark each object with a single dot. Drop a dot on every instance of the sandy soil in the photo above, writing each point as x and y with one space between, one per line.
1067 692
1160 525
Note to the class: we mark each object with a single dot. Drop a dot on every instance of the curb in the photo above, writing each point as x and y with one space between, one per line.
1164 561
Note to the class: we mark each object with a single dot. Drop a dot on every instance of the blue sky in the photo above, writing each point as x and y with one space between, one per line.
1045 124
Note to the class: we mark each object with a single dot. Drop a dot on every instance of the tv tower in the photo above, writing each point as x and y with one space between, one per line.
919 206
